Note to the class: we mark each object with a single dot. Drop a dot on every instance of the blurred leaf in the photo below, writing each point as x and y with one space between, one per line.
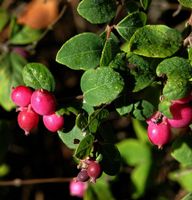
4 16
101 85
187 197
137 154
109 51
175 66
11 65
99 191
164 107
186 3
156 41
182 150
127 26
111 161
82 51
96 118
85 146
4 170
72 138
97 11
145 3
25 36
190 55
37 75
88 108
131 6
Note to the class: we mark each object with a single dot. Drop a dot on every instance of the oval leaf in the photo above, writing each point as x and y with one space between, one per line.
127 26
101 85
4 16
155 41
186 3
97 11
82 51
36 75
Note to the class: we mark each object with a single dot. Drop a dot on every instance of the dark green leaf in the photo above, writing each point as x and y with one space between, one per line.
190 55
182 150
37 75
119 62
101 85
82 51
187 197
11 66
109 51
97 11
81 121
132 6
155 41
125 109
145 3
186 3
84 148
4 18
111 161
72 138
26 35
142 110
127 26
175 66
96 118
164 107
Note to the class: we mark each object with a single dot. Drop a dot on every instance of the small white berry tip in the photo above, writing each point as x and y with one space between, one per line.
27 133
160 147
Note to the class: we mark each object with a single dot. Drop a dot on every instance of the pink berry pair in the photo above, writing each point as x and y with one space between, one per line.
34 103
159 126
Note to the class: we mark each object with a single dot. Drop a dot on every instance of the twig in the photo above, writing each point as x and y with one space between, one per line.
19 182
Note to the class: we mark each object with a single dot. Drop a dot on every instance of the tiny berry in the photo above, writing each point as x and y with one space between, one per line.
21 95
28 120
82 176
43 102
53 122
77 188
182 115
94 171
159 133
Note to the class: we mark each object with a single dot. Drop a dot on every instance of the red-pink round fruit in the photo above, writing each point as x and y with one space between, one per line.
53 122
182 115
43 102
27 120
159 133
94 170
21 95
184 100
77 188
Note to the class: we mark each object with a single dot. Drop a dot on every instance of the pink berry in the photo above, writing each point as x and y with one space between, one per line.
77 188
43 102
21 95
183 100
182 115
159 133
53 122
94 170
82 176
28 120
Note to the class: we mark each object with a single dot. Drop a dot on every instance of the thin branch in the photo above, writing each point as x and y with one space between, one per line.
19 182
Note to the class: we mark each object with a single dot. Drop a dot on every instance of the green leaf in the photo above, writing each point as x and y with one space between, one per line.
186 3
26 35
142 110
111 161
183 177
190 55
109 51
142 70
131 6
37 75
187 197
164 107
82 51
97 11
137 154
99 191
72 138
182 150
11 65
101 85
175 66
127 26
84 148
145 3
4 16
96 118
119 62
176 88
157 41
81 121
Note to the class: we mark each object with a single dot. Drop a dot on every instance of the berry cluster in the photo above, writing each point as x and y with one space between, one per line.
90 170
160 126
33 104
